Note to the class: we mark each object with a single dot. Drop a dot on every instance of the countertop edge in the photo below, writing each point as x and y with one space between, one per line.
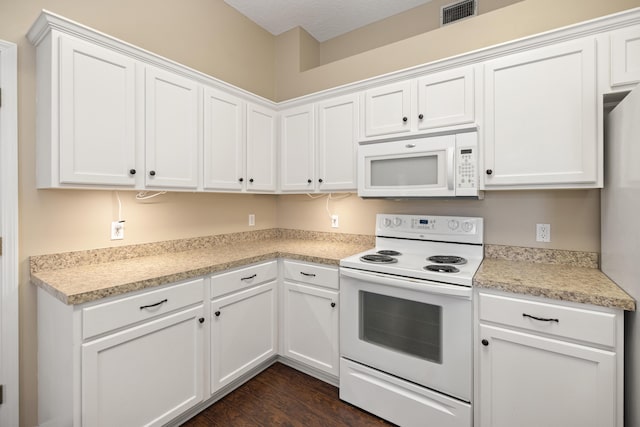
123 287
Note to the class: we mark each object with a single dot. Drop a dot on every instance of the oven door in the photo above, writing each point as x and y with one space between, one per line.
411 168
414 329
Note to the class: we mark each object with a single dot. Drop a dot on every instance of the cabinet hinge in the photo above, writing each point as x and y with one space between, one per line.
1 394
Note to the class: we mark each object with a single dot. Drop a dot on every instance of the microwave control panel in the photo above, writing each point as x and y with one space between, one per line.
466 164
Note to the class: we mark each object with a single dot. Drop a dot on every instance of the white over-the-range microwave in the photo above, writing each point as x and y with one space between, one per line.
435 166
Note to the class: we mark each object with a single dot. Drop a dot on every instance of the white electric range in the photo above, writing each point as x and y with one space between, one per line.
406 320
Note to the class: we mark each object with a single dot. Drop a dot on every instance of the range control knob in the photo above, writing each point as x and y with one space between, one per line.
467 226
397 222
454 224
387 222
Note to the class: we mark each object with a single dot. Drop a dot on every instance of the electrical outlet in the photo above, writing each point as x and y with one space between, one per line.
117 230
252 220
334 221
543 232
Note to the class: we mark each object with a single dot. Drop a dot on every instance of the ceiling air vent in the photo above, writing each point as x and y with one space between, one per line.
457 11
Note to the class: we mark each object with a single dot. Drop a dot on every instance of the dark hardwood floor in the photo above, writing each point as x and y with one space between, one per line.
282 396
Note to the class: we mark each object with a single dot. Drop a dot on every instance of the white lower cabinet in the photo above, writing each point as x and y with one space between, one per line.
145 375
310 330
243 322
542 363
134 360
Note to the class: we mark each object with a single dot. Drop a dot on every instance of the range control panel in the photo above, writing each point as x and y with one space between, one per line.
430 227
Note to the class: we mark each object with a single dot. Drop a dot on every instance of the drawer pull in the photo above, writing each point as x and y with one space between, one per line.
307 274
542 319
253 276
142 307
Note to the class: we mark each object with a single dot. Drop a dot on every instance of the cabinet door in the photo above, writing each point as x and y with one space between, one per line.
171 130
224 141
532 381
297 144
446 98
387 110
540 112
243 333
145 375
337 143
261 149
97 115
625 56
311 326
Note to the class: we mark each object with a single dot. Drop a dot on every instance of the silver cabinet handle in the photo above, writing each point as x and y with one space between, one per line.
410 145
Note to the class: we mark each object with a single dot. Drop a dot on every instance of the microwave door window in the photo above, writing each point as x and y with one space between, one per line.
404 171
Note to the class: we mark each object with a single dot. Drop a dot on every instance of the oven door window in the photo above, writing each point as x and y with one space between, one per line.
402 325
405 171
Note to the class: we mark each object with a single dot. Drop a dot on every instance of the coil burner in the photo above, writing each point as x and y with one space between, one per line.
389 252
447 259
378 259
442 268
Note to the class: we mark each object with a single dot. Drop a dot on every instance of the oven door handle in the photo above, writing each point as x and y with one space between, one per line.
409 283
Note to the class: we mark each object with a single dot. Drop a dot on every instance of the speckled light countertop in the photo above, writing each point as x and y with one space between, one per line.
79 277
560 275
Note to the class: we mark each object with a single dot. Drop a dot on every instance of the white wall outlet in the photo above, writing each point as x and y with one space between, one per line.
252 220
543 232
117 230
334 221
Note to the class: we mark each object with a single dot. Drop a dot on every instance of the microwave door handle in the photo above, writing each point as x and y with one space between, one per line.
450 167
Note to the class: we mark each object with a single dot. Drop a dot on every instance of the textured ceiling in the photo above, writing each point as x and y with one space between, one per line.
323 19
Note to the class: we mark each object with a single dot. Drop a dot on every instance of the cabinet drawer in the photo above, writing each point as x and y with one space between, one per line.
112 315
568 322
312 274
243 278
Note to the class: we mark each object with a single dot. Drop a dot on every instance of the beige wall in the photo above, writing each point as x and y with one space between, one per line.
212 37
510 216
400 27
520 19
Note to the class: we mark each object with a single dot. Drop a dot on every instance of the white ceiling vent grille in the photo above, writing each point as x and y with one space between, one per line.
456 11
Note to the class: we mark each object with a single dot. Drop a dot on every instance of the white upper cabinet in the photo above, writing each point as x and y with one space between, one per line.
625 56
111 115
436 100
172 130
318 146
387 110
446 98
261 149
337 143
224 141
297 143
88 130
540 114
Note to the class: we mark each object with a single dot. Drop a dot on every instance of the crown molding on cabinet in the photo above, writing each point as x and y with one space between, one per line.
48 21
